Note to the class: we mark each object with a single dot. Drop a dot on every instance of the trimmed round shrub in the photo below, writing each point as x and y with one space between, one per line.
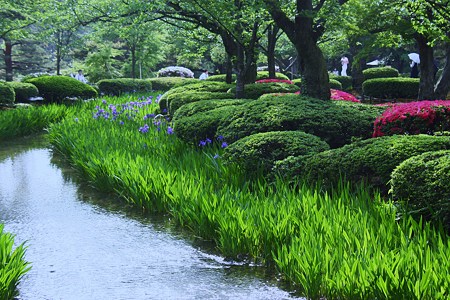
203 125
7 94
259 151
422 182
386 88
346 81
166 83
265 75
298 82
180 99
34 75
335 122
414 118
175 71
200 86
334 84
24 91
380 72
255 90
193 108
371 160
274 80
115 87
57 88
221 78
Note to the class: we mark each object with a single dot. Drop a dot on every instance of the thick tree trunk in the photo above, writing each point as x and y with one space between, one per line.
272 33
229 70
250 67
426 86
240 76
8 60
443 83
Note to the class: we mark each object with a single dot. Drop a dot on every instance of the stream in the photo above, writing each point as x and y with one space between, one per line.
83 244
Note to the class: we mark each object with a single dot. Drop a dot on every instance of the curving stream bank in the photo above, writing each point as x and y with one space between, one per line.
82 247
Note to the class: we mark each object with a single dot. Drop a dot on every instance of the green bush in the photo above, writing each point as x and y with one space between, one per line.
255 90
259 151
221 78
180 99
166 83
371 160
194 128
422 182
24 91
193 108
265 75
57 88
199 86
116 87
7 94
333 121
346 81
297 82
334 84
386 88
379 72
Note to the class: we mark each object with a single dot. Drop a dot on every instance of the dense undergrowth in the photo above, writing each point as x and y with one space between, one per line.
347 243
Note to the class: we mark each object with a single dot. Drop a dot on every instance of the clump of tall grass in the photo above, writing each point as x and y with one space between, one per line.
340 244
12 265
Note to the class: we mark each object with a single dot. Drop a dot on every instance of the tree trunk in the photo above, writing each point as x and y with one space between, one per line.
443 83
272 33
240 76
133 62
58 52
8 60
250 68
426 86
229 70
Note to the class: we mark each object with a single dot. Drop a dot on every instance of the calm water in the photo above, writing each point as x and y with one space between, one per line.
82 247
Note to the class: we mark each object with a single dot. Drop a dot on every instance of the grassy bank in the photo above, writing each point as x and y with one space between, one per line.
337 245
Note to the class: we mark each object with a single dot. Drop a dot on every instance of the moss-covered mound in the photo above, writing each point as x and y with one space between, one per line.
334 84
259 151
200 86
334 122
57 88
265 75
371 160
221 78
166 83
386 88
423 183
256 90
120 86
346 81
180 99
191 109
24 91
7 94
380 72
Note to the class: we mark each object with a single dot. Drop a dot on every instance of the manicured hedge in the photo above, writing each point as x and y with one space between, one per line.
166 83
380 72
423 183
265 75
24 91
193 108
57 88
334 84
371 160
200 86
7 94
255 90
221 78
115 87
346 81
386 88
180 99
258 152
335 122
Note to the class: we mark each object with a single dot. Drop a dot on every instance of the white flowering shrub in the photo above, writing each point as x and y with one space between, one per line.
174 71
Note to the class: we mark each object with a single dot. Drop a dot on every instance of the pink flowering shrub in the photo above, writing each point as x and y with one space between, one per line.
274 80
340 95
413 118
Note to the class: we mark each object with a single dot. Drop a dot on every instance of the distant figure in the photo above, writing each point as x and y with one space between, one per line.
80 77
344 62
204 75
335 72
414 70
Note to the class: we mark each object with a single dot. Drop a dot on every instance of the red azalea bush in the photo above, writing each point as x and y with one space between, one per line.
413 118
340 95
274 80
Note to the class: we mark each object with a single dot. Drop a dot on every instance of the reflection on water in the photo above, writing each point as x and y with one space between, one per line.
81 248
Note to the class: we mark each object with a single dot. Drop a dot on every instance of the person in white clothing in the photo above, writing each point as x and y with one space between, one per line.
204 75
344 62
80 77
